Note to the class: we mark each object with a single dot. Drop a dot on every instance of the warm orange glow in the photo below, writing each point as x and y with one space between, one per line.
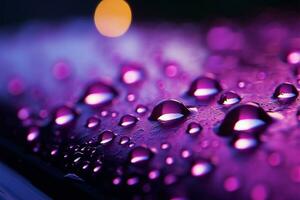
112 17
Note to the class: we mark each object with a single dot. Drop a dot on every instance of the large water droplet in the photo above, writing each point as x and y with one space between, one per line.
285 93
128 121
229 99
140 155
204 88
194 128
98 94
246 118
106 137
131 74
64 116
169 111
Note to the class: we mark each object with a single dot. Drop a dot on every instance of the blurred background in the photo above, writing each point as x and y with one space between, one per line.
14 12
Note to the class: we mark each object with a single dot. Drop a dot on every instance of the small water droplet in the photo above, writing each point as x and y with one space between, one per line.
169 160
98 94
154 174
171 69
229 99
128 121
274 159
165 146
169 111
285 93
231 184
64 116
246 119
185 153
131 97
204 88
194 128
141 109
116 181
132 181
241 84
131 74
259 192
140 155
32 134
201 168
61 70
124 140
170 179
293 57
93 122
106 137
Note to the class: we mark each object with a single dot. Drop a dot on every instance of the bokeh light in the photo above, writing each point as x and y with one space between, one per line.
112 17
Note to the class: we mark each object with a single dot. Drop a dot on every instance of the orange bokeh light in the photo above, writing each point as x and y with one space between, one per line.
112 17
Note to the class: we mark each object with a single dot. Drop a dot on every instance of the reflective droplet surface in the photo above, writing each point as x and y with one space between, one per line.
285 93
194 128
98 94
93 122
124 140
32 134
245 118
201 168
293 57
229 99
141 109
106 137
204 88
140 155
64 116
169 111
128 121
131 74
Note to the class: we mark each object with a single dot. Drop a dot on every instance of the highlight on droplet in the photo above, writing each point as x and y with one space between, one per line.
112 17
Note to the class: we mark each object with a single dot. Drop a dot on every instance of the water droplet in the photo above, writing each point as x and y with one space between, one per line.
140 155
165 146
185 153
64 116
293 57
246 119
169 111
98 94
241 84
106 137
132 181
116 181
171 70
93 122
259 192
128 121
131 97
201 168
32 134
61 70
231 184
141 109
124 140
229 99
169 160
194 128
285 93
204 88
170 179
154 174
131 74
23 113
